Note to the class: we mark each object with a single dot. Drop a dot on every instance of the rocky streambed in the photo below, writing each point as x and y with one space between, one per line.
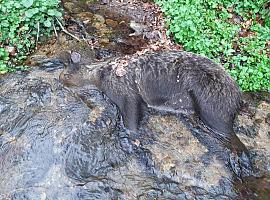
70 143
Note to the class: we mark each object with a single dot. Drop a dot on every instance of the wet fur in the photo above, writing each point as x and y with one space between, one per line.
174 81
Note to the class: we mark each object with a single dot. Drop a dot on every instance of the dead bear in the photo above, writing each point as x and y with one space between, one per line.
175 81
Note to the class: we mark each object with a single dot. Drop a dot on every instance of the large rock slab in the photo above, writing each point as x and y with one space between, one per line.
62 143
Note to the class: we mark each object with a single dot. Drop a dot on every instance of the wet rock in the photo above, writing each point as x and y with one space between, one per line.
86 17
267 119
195 167
98 26
103 53
69 143
37 59
139 28
111 23
254 131
71 7
104 41
104 2
98 19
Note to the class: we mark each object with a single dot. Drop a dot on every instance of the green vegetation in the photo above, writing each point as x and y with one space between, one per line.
235 33
22 22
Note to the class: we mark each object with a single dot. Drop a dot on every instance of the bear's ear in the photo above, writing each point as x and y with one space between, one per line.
64 57
75 57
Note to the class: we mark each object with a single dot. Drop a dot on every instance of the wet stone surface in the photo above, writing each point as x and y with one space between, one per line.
113 28
62 143
106 26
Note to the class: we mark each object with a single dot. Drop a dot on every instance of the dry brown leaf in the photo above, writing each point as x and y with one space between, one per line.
120 71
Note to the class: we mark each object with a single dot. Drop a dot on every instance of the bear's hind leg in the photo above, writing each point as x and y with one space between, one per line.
221 125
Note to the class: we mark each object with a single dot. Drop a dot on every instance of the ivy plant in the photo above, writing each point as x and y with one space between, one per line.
235 33
22 23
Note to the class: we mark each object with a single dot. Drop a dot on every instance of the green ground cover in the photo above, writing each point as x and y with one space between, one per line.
22 24
235 33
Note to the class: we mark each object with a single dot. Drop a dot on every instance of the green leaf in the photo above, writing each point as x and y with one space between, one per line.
54 13
27 3
29 13
47 23
4 23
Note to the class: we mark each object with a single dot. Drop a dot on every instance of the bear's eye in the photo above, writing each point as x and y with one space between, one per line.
67 76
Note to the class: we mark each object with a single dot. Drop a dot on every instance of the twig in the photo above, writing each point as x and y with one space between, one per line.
55 32
65 31
37 34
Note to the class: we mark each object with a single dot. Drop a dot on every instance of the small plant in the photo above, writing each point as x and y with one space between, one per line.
3 60
233 33
22 23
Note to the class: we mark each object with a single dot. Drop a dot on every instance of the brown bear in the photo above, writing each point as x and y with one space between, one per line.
174 81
